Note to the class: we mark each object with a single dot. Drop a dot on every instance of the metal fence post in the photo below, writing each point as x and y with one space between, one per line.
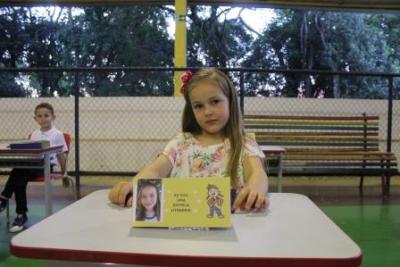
241 92
76 116
390 115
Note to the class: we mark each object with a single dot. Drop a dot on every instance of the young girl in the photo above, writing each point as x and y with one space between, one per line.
148 203
212 143
18 180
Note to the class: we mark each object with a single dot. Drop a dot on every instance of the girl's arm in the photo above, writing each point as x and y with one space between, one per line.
256 186
159 168
121 193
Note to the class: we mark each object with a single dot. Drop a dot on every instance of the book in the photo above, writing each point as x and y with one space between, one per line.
182 202
30 145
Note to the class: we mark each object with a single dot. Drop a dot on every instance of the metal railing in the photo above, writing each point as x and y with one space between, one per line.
78 71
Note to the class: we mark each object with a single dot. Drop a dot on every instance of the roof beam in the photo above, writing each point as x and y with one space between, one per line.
337 4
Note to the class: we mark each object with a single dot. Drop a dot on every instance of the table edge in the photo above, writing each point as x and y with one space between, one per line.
175 260
35 151
272 149
46 253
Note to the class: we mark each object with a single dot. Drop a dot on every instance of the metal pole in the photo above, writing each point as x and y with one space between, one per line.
77 158
180 44
47 185
390 116
242 92
386 181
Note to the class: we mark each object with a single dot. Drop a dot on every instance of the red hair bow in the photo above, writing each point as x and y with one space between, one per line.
185 78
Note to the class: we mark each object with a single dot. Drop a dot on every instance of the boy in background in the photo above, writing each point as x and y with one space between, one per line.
19 178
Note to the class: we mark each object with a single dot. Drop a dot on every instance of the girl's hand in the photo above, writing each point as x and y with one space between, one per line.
121 194
251 197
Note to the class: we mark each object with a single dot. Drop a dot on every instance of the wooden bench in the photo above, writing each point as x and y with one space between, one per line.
326 145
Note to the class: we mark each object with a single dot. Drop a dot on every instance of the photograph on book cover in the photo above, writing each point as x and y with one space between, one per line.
149 200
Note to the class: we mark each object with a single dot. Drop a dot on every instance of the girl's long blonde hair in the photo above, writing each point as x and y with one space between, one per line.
233 129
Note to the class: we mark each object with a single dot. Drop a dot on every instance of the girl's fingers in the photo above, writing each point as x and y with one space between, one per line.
251 198
128 188
124 193
121 198
260 202
247 199
240 198
266 203
129 202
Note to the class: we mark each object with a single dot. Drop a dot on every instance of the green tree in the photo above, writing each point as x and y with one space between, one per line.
214 40
89 37
322 40
13 39
118 37
9 87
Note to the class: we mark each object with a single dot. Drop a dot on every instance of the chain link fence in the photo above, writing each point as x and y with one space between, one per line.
117 131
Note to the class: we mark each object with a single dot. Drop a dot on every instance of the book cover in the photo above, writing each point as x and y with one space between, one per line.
182 202
30 145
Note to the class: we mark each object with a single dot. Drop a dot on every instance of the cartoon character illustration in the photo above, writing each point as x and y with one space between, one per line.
214 201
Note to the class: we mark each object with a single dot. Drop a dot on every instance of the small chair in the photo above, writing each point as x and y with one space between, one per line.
53 175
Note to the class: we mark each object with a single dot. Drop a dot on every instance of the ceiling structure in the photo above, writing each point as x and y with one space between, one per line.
336 4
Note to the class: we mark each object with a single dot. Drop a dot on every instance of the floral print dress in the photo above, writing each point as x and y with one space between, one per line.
190 158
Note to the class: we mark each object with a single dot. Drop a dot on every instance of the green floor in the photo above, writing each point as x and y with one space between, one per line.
6 260
374 227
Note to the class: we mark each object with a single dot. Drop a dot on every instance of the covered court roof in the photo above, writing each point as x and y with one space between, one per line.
341 4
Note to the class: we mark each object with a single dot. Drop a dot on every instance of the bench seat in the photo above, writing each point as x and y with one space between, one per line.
326 145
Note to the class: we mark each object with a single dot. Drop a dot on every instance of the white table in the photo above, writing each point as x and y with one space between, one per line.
31 159
293 232
279 152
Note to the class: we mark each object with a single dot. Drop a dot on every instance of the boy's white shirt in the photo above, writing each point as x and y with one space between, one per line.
55 137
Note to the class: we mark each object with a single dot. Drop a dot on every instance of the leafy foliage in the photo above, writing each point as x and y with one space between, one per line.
322 40
214 40
95 37
106 36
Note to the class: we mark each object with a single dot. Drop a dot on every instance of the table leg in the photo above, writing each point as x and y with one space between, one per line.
47 185
279 172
